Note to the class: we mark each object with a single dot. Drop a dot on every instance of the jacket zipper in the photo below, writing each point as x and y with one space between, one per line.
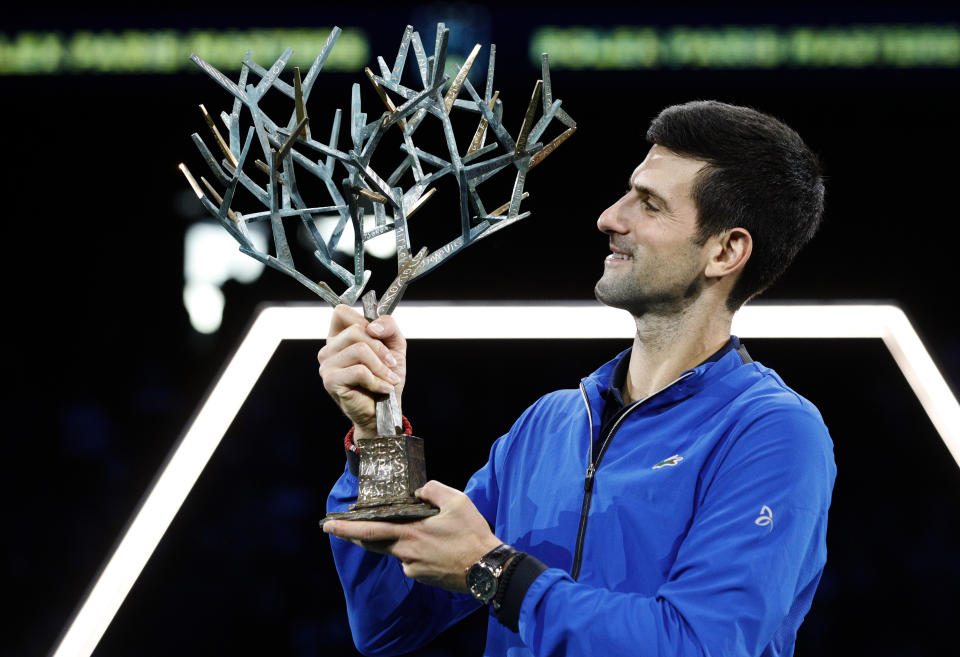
593 465
587 490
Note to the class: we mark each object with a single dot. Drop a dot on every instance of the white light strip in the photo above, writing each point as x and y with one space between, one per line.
575 320
170 489
923 376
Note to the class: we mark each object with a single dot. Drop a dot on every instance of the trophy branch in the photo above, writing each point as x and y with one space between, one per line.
392 464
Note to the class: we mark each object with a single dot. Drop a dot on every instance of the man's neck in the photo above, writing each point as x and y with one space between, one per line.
665 346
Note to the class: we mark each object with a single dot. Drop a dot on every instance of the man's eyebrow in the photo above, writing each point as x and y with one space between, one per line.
643 189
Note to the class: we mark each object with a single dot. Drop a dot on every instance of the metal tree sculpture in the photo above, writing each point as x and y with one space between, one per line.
289 151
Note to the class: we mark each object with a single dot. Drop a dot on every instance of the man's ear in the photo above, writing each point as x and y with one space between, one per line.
730 252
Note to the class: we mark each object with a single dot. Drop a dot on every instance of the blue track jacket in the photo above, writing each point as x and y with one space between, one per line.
705 533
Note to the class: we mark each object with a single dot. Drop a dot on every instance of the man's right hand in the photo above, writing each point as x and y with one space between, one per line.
361 359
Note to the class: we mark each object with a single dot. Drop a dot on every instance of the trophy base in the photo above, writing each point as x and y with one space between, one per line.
391 470
390 512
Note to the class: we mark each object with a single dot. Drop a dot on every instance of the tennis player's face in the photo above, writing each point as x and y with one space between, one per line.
655 264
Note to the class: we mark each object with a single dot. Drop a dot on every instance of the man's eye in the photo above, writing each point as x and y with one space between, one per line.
644 201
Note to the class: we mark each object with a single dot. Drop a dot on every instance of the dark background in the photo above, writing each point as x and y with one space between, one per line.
104 369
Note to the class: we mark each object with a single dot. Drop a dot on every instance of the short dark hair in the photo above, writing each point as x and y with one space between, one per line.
760 176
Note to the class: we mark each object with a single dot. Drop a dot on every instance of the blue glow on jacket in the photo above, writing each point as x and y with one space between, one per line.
706 530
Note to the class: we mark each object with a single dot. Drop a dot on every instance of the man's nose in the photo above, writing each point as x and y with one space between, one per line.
609 220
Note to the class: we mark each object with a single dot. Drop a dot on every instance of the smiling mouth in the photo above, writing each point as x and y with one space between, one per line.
618 257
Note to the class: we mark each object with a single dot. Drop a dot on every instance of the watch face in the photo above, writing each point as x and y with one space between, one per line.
482 583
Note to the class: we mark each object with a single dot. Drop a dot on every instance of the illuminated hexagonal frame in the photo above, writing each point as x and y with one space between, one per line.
439 321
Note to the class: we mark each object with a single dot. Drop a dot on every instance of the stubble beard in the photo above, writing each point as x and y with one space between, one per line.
639 295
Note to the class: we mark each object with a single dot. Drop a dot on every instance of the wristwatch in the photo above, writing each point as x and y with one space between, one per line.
483 577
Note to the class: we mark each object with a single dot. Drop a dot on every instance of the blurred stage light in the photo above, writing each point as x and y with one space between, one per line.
204 303
168 51
382 246
210 259
444 321
627 47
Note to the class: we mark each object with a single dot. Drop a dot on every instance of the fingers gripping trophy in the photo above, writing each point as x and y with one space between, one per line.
391 463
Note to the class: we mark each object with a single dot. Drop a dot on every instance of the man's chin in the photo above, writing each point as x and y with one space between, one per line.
632 300
609 297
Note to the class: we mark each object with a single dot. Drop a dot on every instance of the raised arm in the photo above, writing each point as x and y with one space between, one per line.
359 360
389 612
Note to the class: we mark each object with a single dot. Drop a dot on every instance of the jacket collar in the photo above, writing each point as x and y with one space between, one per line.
613 374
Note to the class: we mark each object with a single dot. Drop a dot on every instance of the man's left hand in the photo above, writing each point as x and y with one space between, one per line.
437 550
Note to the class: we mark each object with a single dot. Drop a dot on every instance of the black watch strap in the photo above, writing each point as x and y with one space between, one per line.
498 556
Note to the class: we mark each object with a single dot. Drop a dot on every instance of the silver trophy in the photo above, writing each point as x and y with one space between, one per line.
391 464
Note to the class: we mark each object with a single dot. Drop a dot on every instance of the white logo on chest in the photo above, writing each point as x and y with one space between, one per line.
765 518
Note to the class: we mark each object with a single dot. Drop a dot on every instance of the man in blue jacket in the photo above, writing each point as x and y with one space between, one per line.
700 524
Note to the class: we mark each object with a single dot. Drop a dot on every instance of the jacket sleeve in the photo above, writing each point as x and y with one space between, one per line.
390 613
747 566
